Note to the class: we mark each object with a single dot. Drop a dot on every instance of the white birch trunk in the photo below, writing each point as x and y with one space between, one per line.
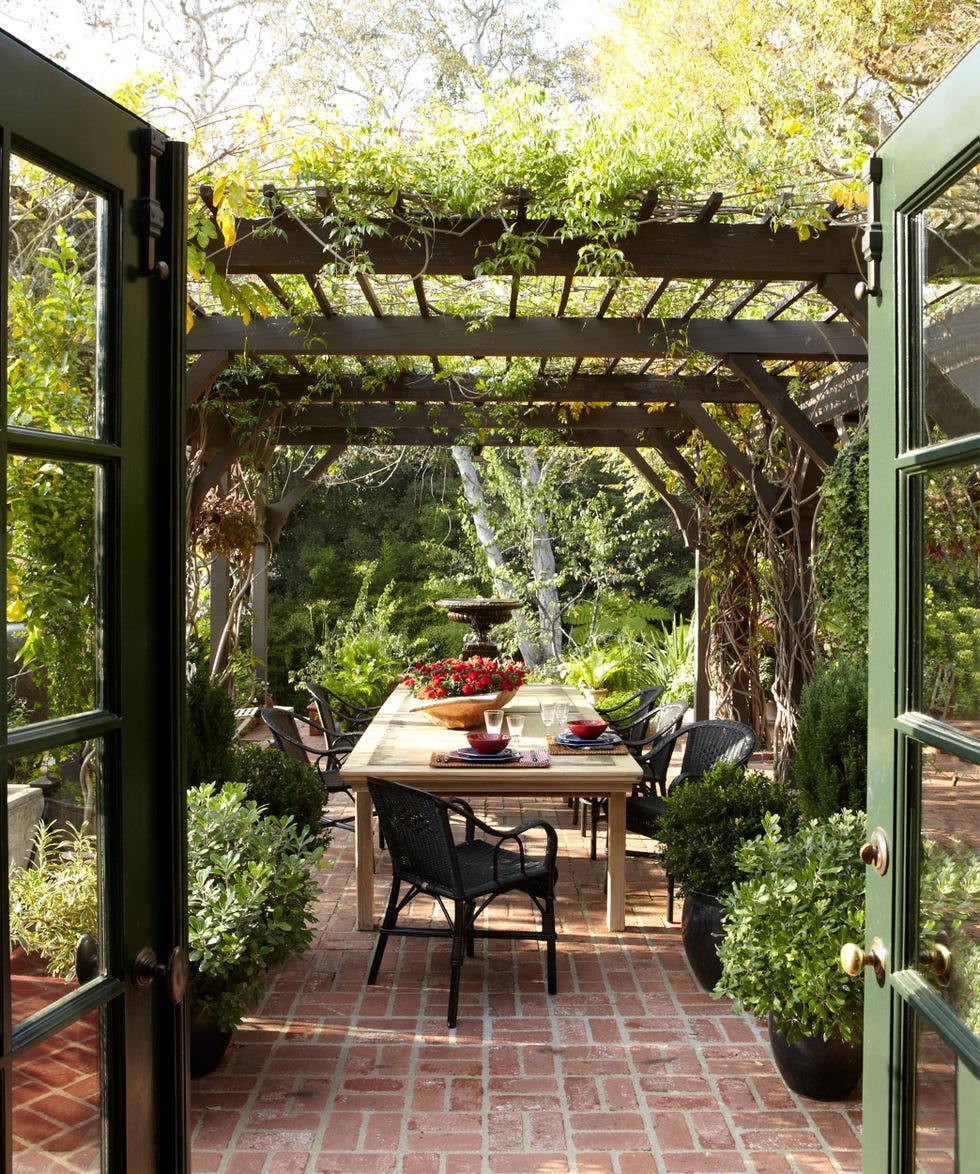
473 492
542 559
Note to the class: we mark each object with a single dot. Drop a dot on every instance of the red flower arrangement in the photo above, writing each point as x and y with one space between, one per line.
464 678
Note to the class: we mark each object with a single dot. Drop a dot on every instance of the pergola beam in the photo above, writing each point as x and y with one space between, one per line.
461 417
574 338
449 248
423 388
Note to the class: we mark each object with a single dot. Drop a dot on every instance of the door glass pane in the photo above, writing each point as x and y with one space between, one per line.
949 897
951 596
56 1102
55 271
52 808
950 356
52 645
935 1116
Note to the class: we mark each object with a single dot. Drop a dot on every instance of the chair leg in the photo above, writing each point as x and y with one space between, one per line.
387 924
670 897
548 928
462 940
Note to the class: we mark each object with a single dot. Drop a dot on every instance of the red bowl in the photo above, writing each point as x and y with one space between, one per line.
588 728
484 743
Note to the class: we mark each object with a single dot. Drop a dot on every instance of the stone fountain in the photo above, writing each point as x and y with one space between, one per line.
482 615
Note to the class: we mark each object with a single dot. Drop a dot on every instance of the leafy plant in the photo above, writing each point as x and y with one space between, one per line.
802 899
251 885
707 820
831 760
359 657
210 730
670 660
280 785
594 667
55 901
251 881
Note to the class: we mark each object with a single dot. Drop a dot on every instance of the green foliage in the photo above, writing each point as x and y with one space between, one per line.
951 669
55 900
359 657
802 899
831 761
669 660
210 730
949 886
282 786
595 667
706 821
841 564
252 883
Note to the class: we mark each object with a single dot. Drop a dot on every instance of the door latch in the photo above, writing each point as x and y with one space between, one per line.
176 970
872 239
152 220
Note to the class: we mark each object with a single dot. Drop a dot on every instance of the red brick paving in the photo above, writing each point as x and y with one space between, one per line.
629 1069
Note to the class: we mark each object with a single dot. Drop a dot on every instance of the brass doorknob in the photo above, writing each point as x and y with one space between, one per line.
875 852
176 970
938 960
853 959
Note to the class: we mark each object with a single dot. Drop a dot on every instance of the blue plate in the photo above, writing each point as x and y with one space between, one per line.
607 738
468 754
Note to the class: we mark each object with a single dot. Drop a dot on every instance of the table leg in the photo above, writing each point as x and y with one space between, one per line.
616 864
364 858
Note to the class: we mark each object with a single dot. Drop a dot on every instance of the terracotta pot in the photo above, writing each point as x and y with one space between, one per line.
822 1069
701 931
460 713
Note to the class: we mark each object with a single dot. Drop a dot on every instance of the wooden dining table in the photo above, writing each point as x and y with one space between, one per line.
403 745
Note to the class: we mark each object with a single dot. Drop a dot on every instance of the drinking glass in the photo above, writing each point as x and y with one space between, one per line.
547 715
494 720
561 713
515 727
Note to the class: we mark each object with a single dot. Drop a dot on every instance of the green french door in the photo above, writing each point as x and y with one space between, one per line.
92 1054
922 1019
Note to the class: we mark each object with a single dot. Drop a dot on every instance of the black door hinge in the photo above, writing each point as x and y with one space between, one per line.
872 238
152 219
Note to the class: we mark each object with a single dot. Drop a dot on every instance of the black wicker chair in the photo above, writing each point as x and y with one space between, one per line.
337 714
648 750
326 761
464 877
625 718
708 742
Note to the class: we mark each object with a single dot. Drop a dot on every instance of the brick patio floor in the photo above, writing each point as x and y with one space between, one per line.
629 1069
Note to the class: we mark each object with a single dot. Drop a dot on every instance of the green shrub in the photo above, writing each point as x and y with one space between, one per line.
830 765
670 661
251 887
283 786
707 820
210 730
55 901
802 899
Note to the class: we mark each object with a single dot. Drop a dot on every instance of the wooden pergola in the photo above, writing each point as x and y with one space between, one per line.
714 307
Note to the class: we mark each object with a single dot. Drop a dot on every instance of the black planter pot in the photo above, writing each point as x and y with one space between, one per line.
823 1069
208 1045
701 932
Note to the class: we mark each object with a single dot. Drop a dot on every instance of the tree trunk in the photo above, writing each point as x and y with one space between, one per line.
473 492
542 561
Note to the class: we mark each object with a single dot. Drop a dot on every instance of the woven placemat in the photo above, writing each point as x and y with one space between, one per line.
529 758
559 748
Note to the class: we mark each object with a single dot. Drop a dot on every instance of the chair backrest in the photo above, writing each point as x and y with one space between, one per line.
285 733
324 708
663 719
416 829
713 741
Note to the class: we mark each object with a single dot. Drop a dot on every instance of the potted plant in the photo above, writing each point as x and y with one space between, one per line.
251 887
830 765
801 900
704 823
593 670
